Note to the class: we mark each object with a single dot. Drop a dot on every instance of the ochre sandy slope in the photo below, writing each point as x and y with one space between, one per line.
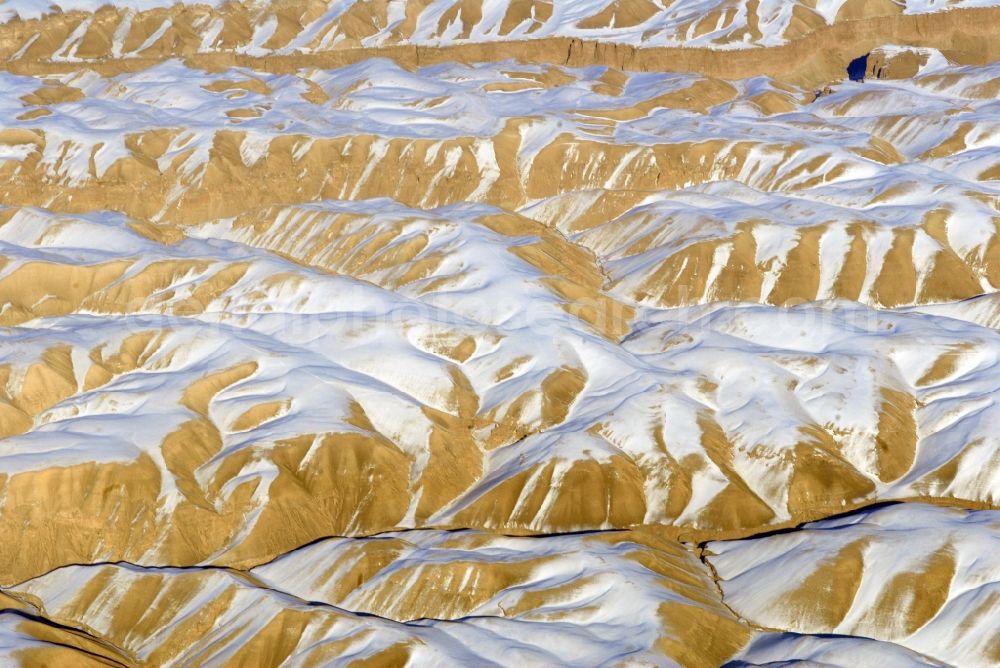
921 577
446 333
807 42
421 597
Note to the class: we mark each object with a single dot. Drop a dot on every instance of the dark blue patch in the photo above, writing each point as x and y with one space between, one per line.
857 67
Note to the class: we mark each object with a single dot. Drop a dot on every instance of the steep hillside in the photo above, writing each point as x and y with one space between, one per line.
506 333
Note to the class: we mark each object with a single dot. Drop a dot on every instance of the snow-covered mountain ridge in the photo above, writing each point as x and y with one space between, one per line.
491 333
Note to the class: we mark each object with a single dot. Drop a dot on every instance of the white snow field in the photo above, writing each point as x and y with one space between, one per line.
388 333
349 23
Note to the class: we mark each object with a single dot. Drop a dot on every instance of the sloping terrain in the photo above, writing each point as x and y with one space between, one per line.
92 30
394 333
917 576
421 597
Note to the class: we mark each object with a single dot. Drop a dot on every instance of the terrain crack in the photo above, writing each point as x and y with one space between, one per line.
127 658
244 575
